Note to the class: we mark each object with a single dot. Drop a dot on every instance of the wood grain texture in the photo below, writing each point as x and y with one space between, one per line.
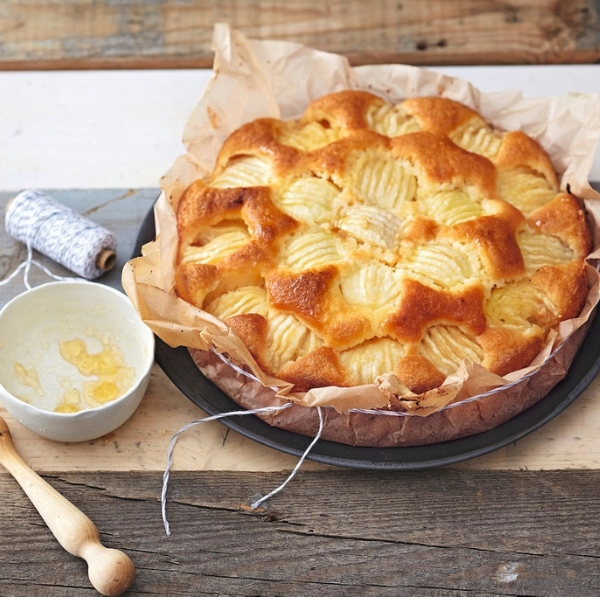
434 533
42 34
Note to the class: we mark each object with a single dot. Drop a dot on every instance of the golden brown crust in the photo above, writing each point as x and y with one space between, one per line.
365 238
495 237
507 350
566 288
258 137
202 208
420 306
346 109
439 115
564 217
441 162
318 368
331 161
518 150
251 328
314 298
418 373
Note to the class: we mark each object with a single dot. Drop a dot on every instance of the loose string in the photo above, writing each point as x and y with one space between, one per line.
60 233
26 267
256 503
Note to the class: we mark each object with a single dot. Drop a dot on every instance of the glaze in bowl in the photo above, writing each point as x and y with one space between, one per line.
75 359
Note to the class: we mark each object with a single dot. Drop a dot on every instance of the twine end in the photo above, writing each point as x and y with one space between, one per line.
256 503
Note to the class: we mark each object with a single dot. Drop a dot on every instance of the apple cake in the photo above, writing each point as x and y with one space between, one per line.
366 238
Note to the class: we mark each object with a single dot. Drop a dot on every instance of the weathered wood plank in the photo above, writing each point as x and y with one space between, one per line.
38 34
343 533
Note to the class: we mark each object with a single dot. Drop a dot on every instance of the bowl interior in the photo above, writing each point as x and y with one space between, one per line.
96 327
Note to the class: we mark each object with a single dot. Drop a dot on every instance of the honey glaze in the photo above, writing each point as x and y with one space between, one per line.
110 376
29 378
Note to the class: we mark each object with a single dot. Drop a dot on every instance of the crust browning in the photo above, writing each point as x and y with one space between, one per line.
366 238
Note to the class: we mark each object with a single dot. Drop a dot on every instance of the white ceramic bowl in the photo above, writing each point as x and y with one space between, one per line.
73 341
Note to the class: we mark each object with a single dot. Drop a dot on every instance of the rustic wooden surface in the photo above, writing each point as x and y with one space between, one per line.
436 533
519 521
76 34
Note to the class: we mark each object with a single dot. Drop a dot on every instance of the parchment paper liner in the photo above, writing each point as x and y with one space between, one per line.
254 79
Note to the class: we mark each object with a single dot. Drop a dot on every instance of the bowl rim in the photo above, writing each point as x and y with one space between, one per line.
140 380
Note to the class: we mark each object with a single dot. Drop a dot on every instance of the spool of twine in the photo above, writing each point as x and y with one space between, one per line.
61 233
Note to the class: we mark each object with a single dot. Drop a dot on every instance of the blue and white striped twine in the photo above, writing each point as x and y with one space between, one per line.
60 233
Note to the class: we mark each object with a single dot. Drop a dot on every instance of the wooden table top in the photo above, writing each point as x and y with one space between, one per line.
521 520
176 34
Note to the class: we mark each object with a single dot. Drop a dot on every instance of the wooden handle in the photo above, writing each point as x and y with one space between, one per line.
110 571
